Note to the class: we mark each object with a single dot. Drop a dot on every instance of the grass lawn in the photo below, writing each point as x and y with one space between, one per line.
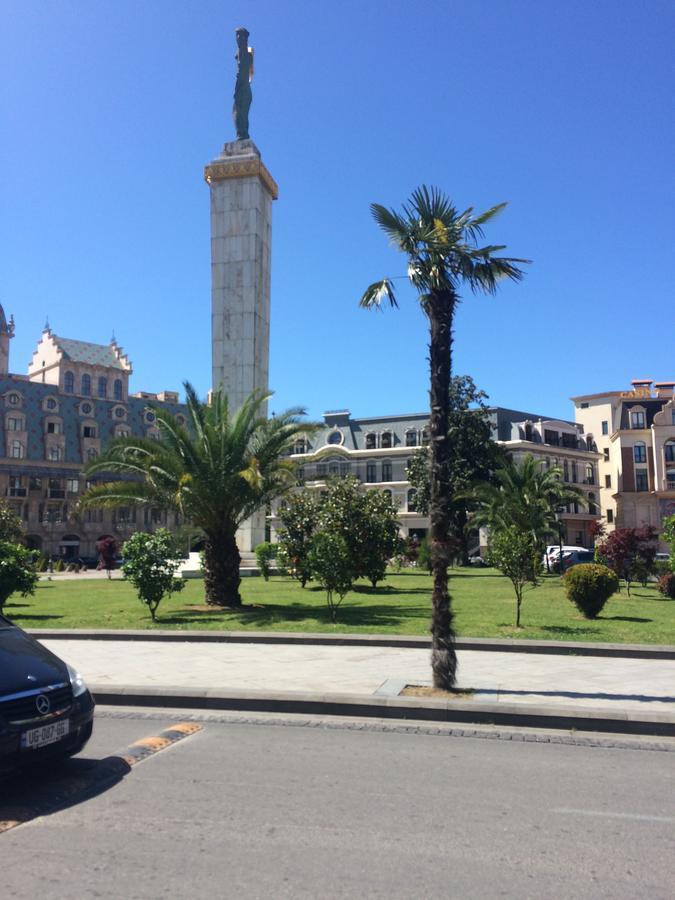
483 601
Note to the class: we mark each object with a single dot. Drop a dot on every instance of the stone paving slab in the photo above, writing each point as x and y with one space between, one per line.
616 685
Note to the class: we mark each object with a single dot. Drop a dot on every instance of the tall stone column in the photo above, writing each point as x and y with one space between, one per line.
242 191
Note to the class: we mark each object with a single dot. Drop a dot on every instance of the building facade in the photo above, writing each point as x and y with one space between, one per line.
635 433
72 402
377 451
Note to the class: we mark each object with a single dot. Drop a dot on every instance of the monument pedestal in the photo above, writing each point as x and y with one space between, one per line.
242 191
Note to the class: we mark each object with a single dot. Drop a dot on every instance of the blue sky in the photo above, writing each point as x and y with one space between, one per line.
110 110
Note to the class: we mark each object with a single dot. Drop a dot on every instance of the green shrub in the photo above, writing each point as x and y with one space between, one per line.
666 585
424 555
58 565
662 567
264 554
589 586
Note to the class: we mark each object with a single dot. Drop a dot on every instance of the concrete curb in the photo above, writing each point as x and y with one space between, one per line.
500 645
381 707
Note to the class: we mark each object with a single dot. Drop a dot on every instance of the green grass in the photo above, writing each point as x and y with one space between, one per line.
483 601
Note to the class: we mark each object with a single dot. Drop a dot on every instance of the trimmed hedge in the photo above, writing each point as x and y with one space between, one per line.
589 586
666 585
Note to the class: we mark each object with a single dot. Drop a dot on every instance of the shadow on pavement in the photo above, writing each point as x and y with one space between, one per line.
579 695
52 788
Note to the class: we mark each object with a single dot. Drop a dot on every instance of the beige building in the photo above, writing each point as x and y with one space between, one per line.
635 434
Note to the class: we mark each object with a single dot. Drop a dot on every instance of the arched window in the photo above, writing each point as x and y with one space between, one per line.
103 388
640 452
85 385
117 389
69 383
370 441
412 500
386 439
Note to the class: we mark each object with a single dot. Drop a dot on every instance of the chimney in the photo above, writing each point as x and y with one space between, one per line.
664 389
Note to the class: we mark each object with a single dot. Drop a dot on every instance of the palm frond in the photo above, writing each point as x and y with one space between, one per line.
375 293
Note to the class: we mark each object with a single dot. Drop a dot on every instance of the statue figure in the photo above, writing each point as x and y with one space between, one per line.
242 88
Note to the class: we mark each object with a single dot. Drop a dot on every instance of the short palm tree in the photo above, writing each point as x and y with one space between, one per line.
216 471
525 495
441 245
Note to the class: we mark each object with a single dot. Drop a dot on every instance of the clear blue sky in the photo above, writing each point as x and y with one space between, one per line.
111 108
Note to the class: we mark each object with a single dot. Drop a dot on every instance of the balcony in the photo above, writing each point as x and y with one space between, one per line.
56 494
16 492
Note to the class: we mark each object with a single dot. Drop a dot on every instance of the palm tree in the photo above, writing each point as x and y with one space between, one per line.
215 472
524 495
443 253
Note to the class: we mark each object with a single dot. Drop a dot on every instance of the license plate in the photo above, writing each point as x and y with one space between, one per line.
45 734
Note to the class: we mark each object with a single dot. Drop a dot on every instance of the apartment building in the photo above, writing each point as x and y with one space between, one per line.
635 433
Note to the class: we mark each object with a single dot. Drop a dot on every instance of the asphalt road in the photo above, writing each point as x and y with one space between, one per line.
251 810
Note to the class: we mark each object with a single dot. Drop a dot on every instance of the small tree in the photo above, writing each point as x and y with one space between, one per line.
11 528
629 553
298 515
589 586
150 565
669 536
380 540
515 554
17 571
330 562
264 554
107 553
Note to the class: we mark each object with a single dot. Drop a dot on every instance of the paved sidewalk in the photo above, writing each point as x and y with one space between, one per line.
607 684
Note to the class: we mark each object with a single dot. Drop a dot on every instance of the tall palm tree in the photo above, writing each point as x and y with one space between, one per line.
526 495
441 245
216 472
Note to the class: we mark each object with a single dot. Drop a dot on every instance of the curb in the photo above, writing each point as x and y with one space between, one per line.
493 645
381 707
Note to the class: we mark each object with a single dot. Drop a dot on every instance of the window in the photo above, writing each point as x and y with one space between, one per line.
386 471
669 452
321 470
590 474
86 409
335 437
17 450
574 471
670 479
575 507
72 485
610 516
551 437
51 403
386 439
54 428
85 385
370 442
120 413
584 405
54 454
14 424
103 388
566 470
592 508
412 500
605 454
640 453
92 453
569 440
637 419
371 472
411 438
298 447
605 427
16 488
89 431
150 417
69 383
425 437
117 389
14 399
35 483
641 483
608 481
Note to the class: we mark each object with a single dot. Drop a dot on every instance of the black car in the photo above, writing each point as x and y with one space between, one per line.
46 710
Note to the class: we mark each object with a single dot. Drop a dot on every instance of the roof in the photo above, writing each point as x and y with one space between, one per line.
93 354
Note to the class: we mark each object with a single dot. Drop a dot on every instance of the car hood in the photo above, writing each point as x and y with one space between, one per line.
25 664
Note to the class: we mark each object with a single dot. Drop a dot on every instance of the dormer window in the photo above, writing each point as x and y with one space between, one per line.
386 439
371 441
411 438
637 418
425 437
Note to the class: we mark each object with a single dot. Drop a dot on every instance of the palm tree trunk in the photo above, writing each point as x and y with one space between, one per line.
440 309
221 569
